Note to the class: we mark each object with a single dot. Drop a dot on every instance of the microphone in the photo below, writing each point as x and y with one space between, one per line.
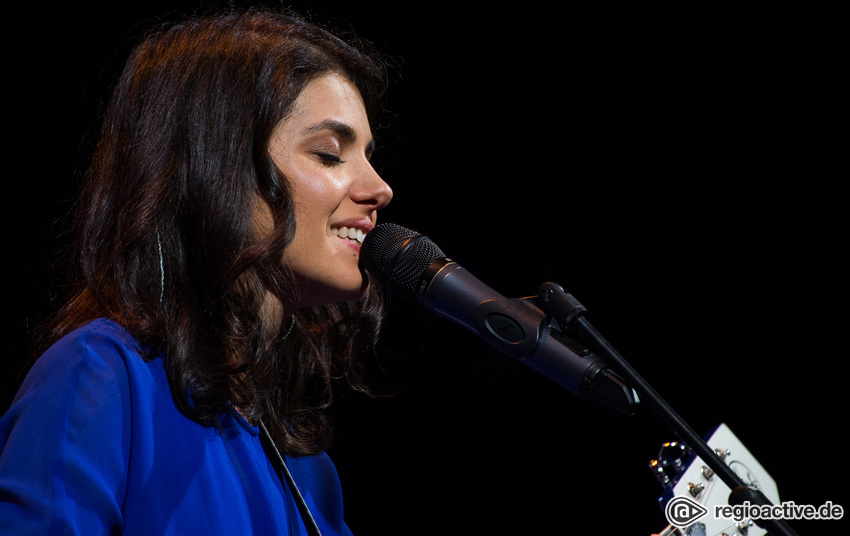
410 266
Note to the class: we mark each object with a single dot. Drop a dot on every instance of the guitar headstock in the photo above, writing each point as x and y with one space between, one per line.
692 487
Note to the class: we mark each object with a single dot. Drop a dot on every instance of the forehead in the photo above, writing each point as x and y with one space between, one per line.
330 97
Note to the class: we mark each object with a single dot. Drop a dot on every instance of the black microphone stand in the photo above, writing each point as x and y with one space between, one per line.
569 313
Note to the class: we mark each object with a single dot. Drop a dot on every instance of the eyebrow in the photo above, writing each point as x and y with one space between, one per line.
343 130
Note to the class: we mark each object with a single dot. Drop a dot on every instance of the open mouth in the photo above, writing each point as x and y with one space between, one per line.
351 234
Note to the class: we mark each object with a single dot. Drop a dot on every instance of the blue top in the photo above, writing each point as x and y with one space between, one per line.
93 444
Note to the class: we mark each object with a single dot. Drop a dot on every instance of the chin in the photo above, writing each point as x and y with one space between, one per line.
354 294
325 294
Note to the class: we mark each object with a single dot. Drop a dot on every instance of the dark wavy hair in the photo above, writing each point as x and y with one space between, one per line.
181 159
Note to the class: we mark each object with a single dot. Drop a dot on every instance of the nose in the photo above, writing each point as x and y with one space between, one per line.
371 190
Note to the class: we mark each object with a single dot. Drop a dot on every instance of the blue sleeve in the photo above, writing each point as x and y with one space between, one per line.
64 442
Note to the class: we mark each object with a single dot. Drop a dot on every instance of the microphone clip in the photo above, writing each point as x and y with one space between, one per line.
559 304
518 328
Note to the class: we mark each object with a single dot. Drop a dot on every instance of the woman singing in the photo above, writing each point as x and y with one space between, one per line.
181 389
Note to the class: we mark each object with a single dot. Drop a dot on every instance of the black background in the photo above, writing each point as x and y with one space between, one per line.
676 170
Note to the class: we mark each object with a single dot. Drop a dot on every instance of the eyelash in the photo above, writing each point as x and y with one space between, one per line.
330 159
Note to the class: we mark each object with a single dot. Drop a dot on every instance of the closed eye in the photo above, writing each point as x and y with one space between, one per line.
329 159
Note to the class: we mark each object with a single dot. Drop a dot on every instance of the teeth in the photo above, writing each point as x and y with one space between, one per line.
350 233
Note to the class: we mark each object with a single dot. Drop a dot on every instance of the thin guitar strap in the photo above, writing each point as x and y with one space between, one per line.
277 459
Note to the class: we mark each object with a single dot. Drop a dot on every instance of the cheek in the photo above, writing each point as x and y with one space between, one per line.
317 194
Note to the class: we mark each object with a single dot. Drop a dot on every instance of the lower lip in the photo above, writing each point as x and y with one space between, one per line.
348 242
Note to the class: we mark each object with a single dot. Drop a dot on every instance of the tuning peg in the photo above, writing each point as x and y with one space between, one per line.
670 461
658 470
744 526
695 489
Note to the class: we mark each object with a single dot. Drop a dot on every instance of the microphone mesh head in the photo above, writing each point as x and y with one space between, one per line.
398 257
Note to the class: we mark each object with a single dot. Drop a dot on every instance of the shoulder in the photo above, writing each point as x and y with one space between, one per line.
92 365
99 337
99 347
64 442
